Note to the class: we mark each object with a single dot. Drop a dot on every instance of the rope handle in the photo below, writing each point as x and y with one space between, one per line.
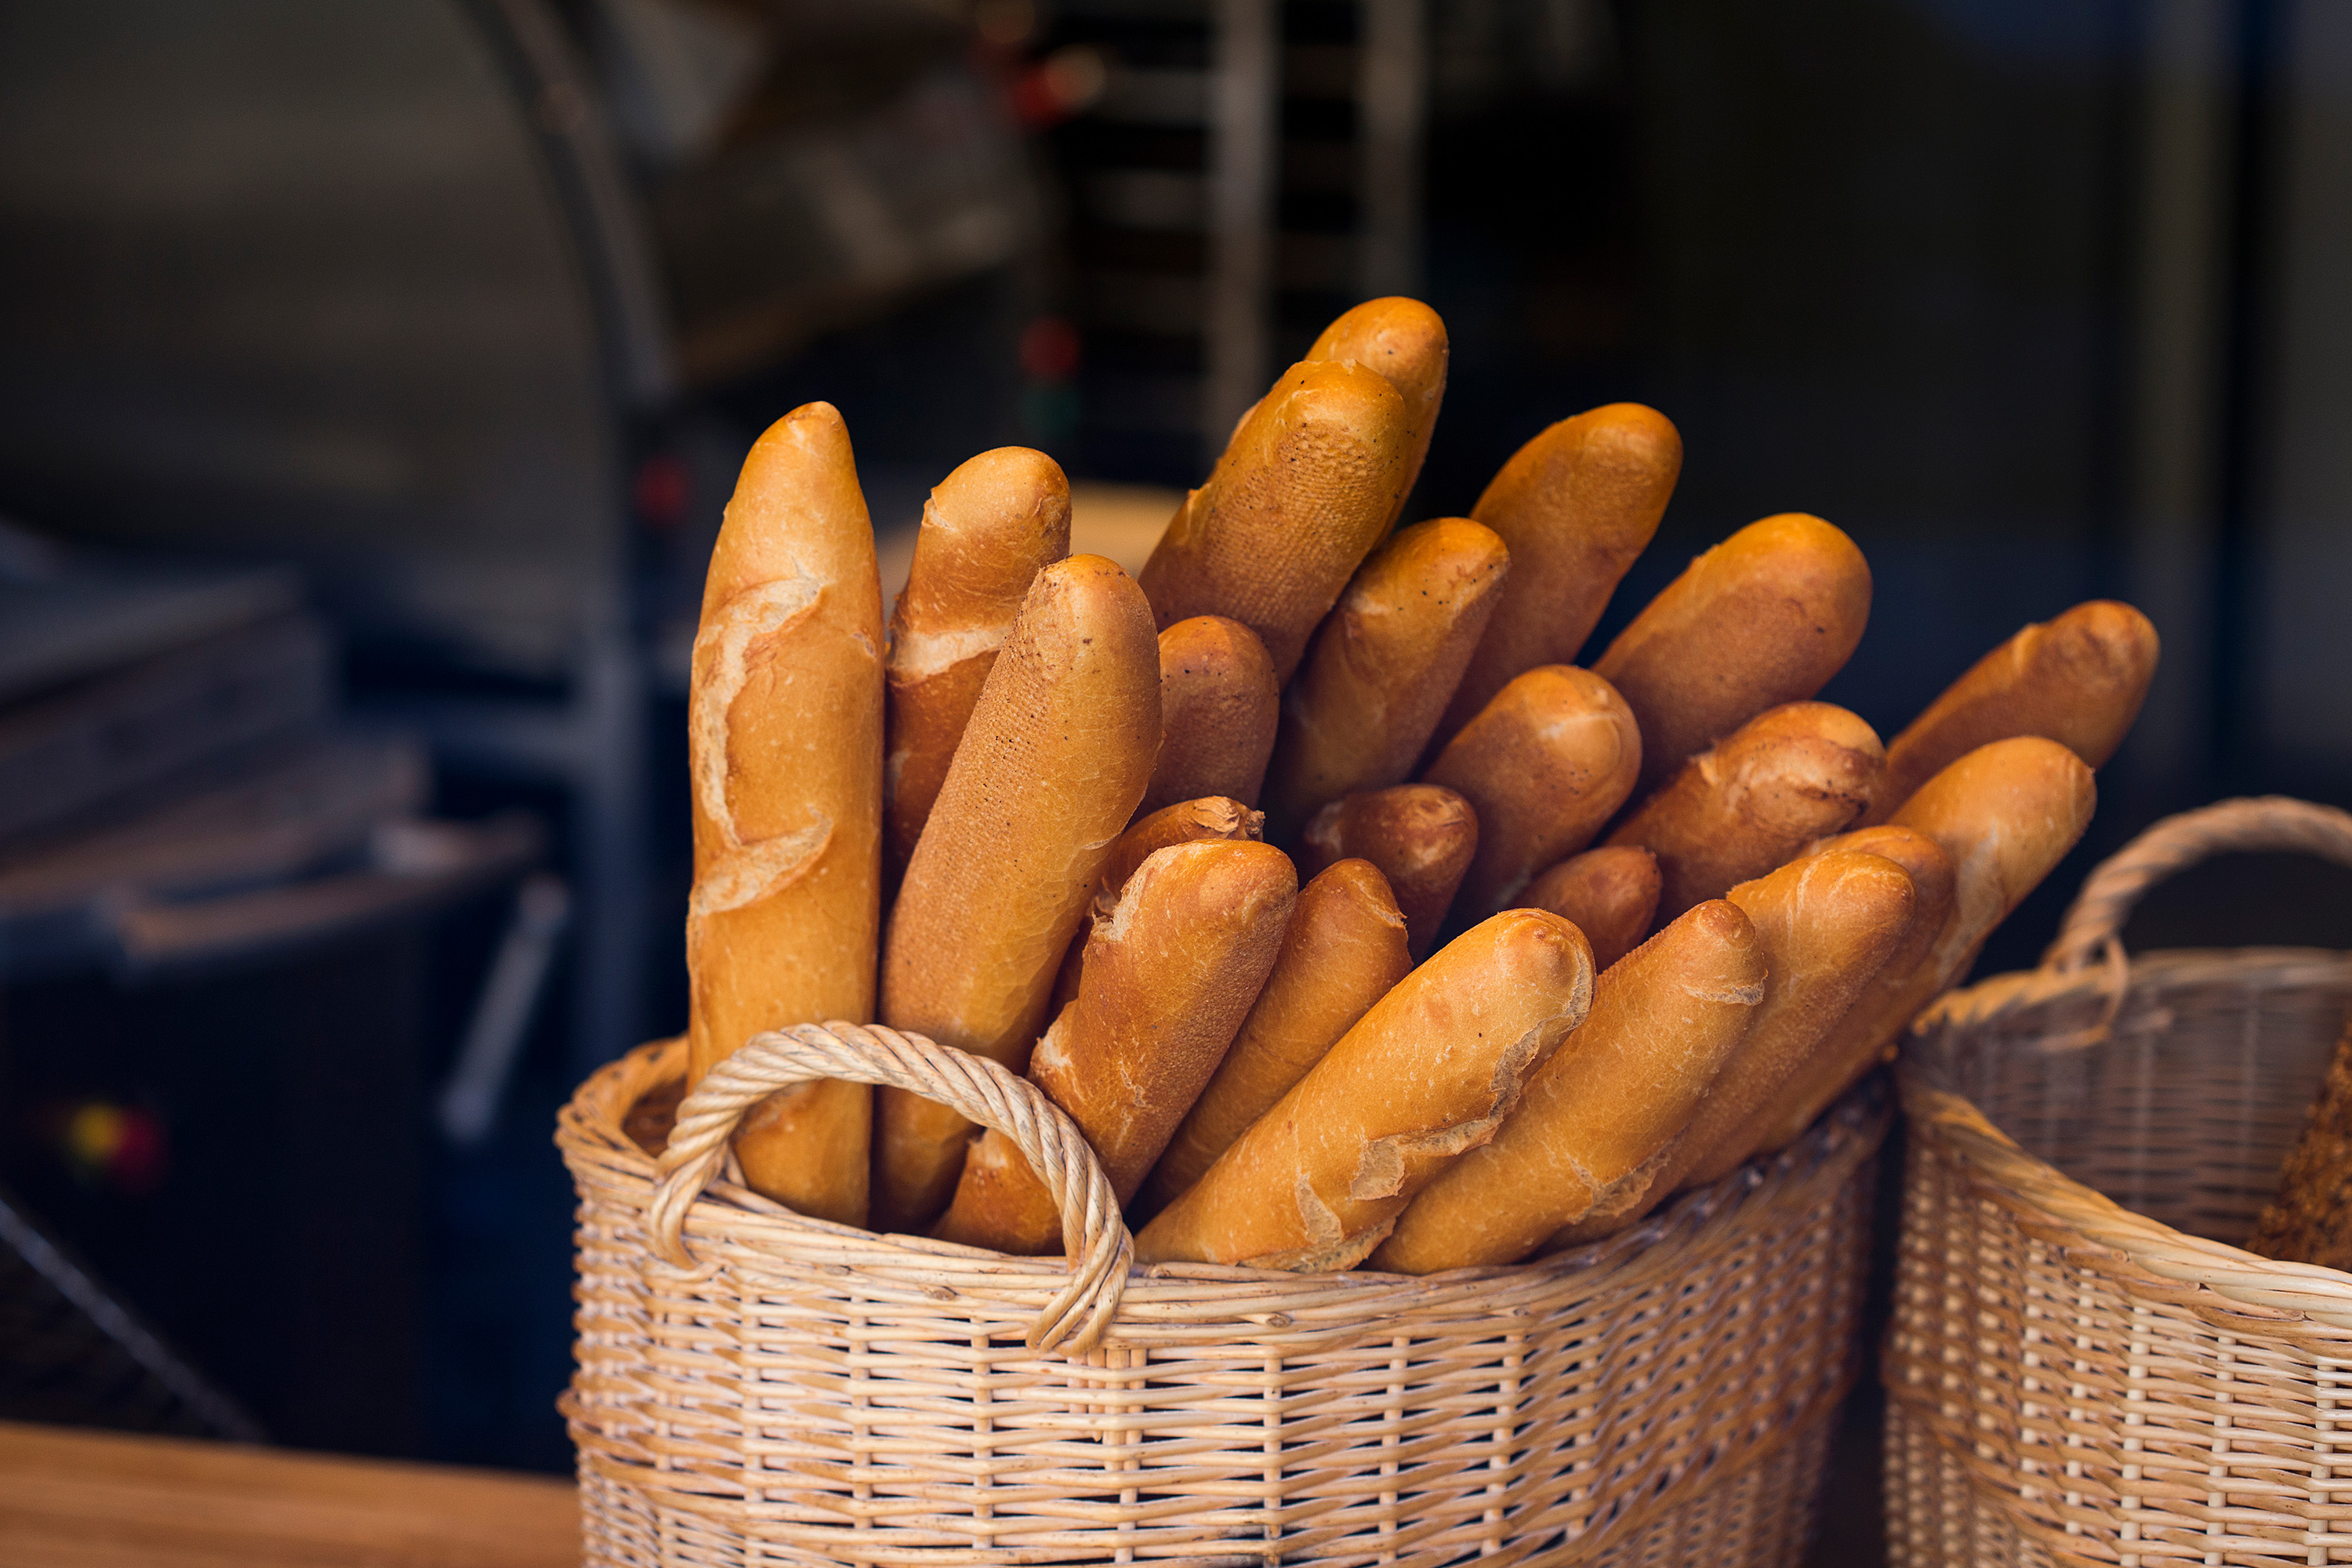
1094 1237
2092 927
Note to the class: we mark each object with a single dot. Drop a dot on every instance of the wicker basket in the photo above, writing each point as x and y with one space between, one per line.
755 1387
2081 1368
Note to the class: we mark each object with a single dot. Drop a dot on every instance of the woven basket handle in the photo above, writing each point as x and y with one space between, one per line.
1093 1234
2263 823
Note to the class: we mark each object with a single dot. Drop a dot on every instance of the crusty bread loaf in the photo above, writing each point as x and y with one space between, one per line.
1431 1071
1218 706
2078 680
2004 814
1825 924
1405 341
1053 764
1419 837
987 530
1783 779
1186 822
2309 1217
1169 976
1343 950
784 743
1575 507
1545 765
1765 617
1611 894
1300 496
1607 1105
1379 670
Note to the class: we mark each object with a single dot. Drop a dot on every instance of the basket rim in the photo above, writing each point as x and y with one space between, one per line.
1180 1299
1999 1168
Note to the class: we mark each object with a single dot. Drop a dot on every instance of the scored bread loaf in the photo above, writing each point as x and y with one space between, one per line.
1170 974
987 530
1611 894
1218 703
2078 680
1431 1070
1575 506
1343 950
1380 669
1405 341
1545 765
784 743
1419 837
1765 617
1783 779
1301 495
1186 822
1053 765
1609 1101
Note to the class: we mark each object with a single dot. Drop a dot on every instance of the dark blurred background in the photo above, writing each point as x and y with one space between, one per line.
372 379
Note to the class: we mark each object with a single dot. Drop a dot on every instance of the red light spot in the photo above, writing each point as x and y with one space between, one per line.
1049 349
661 492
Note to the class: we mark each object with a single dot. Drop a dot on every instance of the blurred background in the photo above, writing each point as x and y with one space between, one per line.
372 379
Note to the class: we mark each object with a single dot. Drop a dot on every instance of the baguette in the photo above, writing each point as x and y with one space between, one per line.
1218 706
1419 837
2078 680
1186 822
1053 764
1606 1106
1380 669
1431 1070
1783 779
1170 974
1545 765
1342 952
784 743
1611 894
1576 507
2309 1218
1825 924
987 530
1405 341
1765 617
2005 814
1301 495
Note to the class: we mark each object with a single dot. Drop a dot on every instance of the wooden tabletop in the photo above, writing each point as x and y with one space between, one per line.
77 1499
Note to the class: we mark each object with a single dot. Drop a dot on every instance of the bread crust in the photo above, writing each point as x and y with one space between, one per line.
1783 779
1429 1072
1611 894
1342 950
1052 766
1219 704
1545 765
1421 838
1403 341
1186 822
1576 506
785 745
1380 669
1764 618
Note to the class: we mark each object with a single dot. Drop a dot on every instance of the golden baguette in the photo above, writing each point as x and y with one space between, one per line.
2006 814
1219 701
1545 765
1609 1101
1611 894
1783 779
1186 822
1301 495
1343 950
1170 974
1431 1070
987 530
1576 507
1419 837
1053 764
1405 341
1826 922
1765 617
1380 667
784 743
2078 680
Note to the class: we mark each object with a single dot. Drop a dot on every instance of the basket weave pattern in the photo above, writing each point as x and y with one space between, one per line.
758 1387
2081 1369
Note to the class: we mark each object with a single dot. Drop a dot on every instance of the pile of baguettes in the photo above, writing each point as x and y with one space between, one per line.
1088 791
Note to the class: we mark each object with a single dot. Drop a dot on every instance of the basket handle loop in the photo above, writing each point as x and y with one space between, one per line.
1093 1234
2094 926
